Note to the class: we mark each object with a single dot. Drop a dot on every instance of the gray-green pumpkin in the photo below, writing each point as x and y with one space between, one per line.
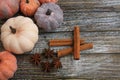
49 16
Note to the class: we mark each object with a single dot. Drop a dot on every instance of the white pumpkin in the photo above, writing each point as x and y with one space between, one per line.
19 34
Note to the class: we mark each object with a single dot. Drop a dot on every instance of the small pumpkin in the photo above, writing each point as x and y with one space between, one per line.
29 7
46 1
8 8
8 65
49 16
19 34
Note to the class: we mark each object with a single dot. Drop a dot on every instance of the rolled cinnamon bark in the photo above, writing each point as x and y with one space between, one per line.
76 43
63 42
68 51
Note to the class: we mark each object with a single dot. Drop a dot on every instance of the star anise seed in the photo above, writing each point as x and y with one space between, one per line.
46 66
56 63
35 58
49 53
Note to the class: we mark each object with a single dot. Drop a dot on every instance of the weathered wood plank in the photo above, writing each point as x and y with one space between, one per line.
89 21
90 5
104 42
90 66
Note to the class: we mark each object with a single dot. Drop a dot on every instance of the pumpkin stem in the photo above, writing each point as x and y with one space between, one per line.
48 12
13 30
27 1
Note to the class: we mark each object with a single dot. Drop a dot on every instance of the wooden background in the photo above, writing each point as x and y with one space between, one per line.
99 21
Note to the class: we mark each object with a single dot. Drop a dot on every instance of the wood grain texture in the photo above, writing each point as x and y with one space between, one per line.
89 67
99 22
90 5
104 42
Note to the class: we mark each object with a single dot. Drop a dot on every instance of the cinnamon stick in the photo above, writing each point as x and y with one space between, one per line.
76 43
67 51
63 42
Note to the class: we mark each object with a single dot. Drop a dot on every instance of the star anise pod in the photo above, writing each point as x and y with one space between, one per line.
49 53
56 63
35 58
46 66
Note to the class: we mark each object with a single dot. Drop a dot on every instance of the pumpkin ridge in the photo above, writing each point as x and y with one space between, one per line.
45 25
6 39
3 37
59 19
34 37
15 48
10 11
54 23
6 74
27 20
2 77
23 47
29 10
30 28
7 63
28 7
5 54
8 45
10 8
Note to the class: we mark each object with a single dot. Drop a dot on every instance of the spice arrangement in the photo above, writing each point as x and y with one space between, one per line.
52 61
68 51
47 60
78 44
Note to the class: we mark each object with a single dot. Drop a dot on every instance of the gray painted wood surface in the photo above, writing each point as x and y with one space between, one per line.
99 21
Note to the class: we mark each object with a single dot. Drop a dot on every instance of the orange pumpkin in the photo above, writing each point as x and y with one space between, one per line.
29 7
8 8
8 65
46 1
